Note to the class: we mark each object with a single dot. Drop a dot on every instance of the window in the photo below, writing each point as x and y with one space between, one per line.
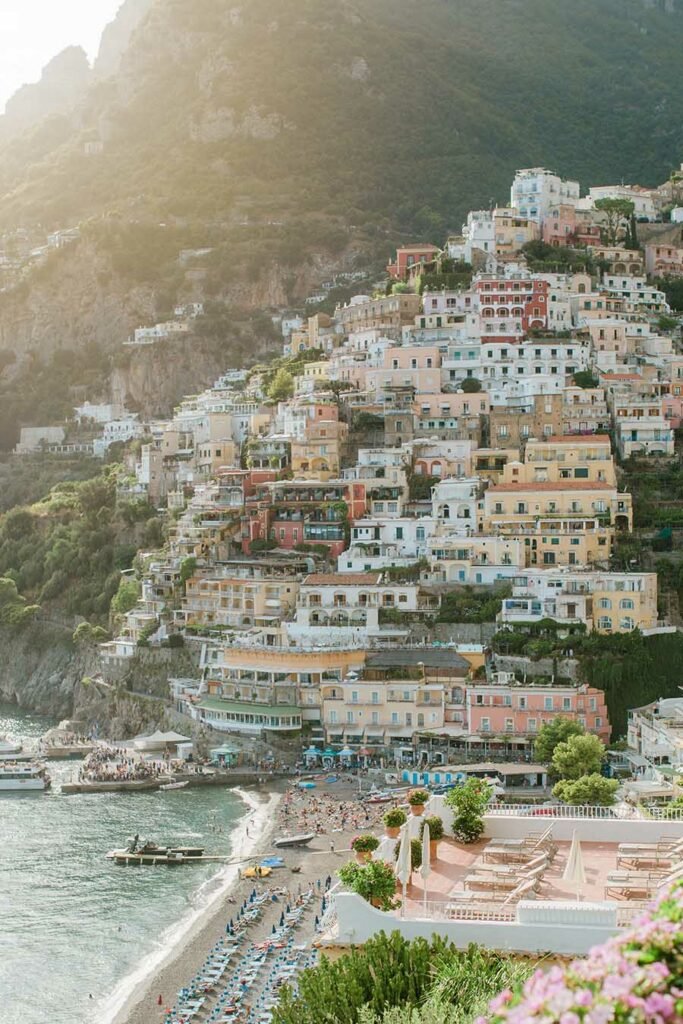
531 724
394 717
333 717
626 602
509 724
548 703
399 533
354 696
409 718
566 703
374 697
604 602
486 725
349 717
522 703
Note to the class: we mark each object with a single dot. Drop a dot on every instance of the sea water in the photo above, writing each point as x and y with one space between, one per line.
73 924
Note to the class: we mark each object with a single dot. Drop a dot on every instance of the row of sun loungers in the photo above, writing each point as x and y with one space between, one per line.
640 884
510 870
657 853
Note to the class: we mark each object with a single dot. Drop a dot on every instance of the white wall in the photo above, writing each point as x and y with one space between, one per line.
568 928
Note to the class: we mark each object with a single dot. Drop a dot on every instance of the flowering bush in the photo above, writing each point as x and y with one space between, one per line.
364 844
418 797
395 817
635 978
375 882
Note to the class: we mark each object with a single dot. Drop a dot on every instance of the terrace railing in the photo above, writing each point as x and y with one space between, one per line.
582 812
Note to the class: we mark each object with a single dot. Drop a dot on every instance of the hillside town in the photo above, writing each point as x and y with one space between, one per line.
458 435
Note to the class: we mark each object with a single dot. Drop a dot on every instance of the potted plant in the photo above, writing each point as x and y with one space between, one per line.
393 820
363 847
375 882
435 833
469 802
417 800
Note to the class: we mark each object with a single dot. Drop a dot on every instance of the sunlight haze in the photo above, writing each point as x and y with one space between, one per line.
32 32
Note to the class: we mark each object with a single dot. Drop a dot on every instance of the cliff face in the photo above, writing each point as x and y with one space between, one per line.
62 85
117 36
41 669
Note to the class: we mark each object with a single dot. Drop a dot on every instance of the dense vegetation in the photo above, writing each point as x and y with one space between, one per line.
632 669
222 126
392 981
68 550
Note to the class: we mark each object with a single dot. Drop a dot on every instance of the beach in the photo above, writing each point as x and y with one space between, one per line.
335 817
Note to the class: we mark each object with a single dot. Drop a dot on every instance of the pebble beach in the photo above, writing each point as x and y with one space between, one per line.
334 817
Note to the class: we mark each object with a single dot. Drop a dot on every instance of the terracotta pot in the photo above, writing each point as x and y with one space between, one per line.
417 809
433 847
363 856
376 903
392 831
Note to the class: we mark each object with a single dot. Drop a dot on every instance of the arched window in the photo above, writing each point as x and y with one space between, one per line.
604 622
446 512
604 602
626 602
627 623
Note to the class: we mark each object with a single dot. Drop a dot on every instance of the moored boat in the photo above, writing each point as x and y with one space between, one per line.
302 840
21 777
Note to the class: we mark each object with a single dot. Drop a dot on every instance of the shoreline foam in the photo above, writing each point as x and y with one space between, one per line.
135 986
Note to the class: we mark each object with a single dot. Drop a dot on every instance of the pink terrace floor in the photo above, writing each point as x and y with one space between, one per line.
454 863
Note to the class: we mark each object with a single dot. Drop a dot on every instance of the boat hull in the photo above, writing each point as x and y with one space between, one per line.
23 785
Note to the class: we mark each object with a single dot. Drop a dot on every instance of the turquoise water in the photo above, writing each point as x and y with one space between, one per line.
72 923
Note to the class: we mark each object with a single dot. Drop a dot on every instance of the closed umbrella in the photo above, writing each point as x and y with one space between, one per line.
425 867
574 870
403 865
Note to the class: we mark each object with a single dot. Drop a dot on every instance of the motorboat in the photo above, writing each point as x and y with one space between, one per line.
22 777
8 747
152 853
302 840
175 785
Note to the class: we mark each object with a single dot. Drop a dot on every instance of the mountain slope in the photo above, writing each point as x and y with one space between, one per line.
381 110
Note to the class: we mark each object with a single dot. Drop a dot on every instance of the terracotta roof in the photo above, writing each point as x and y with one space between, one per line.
573 439
340 579
558 485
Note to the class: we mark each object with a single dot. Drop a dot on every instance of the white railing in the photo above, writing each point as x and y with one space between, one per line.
568 811
445 910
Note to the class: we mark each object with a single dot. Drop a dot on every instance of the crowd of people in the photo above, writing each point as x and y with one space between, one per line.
106 764
303 810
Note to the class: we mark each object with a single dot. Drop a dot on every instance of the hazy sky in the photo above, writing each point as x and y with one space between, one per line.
34 31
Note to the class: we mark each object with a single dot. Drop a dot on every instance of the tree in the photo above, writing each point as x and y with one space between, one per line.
577 756
86 635
282 386
126 597
374 881
187 568
468 803
585 379
14 611
589 789
552 733
616 211
470 385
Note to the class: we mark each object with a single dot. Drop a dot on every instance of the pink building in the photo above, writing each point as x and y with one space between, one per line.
409 256
663 261
672 408
564 225
504 707
410 366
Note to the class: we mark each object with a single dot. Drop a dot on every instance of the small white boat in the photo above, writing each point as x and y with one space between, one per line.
302 840
174 785
10 746
16 777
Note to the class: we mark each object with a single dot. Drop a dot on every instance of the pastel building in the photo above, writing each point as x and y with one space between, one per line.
503 707
605 602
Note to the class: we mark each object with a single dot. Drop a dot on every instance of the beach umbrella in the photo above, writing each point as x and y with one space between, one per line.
426 866
274 930
574 871
282 919
403 864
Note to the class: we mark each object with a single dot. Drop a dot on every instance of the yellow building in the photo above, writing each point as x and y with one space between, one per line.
237 600
317 456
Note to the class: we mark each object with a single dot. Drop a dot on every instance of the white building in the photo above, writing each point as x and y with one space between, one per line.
643 203
655 732
535 190
378 544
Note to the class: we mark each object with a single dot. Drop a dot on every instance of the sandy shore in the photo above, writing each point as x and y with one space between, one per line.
336 818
